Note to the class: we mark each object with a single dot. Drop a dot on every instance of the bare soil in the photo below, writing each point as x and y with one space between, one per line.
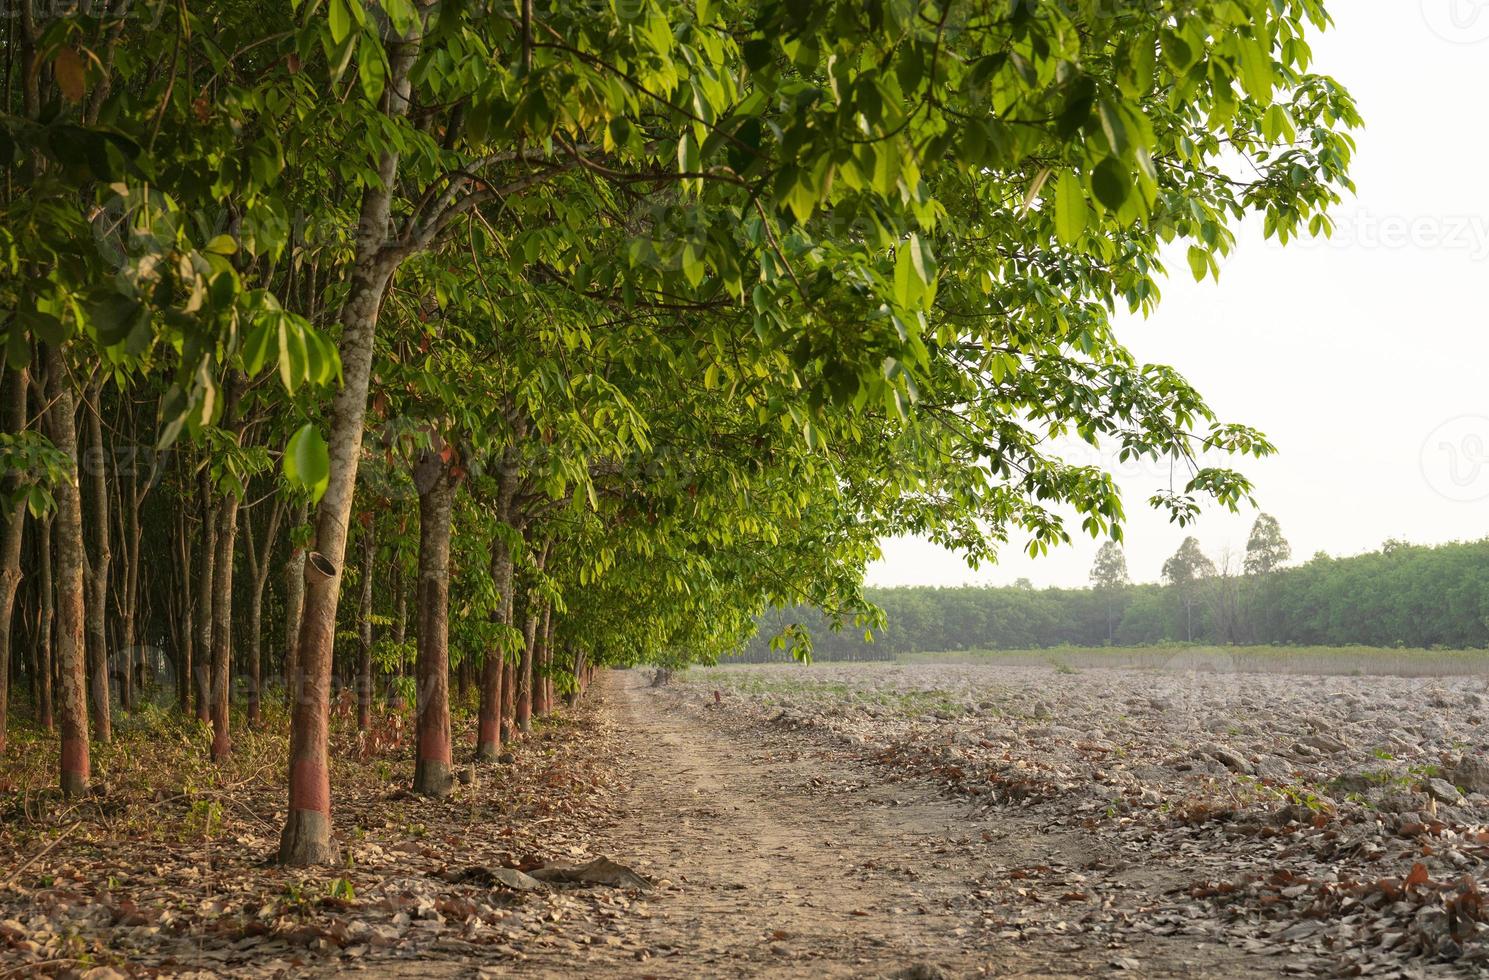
899 822
794 856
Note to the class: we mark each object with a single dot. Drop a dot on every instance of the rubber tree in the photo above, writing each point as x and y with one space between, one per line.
364 624
95 474
259 555
306 839
436 485
70 641
11 539
493 669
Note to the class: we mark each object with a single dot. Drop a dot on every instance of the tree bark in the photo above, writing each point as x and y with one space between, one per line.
71 651
133 535
547 683
400 617
259 557
188 618
206 577
294 604
10 551
222 627
364 631
509 700
97 581
432 776
578 688
540 662
307 833
45 666
489 727
524 712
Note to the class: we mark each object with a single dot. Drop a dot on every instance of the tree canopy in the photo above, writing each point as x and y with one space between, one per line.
646 315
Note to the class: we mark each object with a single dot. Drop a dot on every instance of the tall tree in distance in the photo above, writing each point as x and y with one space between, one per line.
1266 551
1185 570
1109 577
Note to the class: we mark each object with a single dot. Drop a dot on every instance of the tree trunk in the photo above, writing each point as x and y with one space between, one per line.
541 656
307 832
509 700
258 566
10 551
96 609
400 617
548 626
222 627
188 619
364 631
489 733
134 660
71 652
206 577
579 667
294 604
525 666
45 665
432 776
255 654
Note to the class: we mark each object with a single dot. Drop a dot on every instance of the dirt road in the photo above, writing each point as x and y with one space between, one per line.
794 858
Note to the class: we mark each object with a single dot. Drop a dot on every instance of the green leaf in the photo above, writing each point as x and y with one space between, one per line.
341 20
112 317
1113 128
1071 210
1111 183
371 70
1256 68
1199 262
307 463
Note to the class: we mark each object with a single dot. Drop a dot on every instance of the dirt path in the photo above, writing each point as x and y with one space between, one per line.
790 860
792 857
785 853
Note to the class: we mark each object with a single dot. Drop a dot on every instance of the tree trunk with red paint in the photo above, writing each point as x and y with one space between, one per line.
432 775
306 839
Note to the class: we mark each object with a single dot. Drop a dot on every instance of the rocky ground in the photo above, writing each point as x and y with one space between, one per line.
1334 824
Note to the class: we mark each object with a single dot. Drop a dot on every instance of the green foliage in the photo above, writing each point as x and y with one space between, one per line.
693 304
1405 596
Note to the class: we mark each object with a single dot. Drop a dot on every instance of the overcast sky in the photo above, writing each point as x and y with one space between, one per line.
1364 358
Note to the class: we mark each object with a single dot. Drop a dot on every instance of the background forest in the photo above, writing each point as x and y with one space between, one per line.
1400 596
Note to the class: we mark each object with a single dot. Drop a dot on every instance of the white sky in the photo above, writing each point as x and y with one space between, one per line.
1364 358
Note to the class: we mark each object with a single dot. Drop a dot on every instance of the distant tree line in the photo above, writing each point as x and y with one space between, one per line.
1402 595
